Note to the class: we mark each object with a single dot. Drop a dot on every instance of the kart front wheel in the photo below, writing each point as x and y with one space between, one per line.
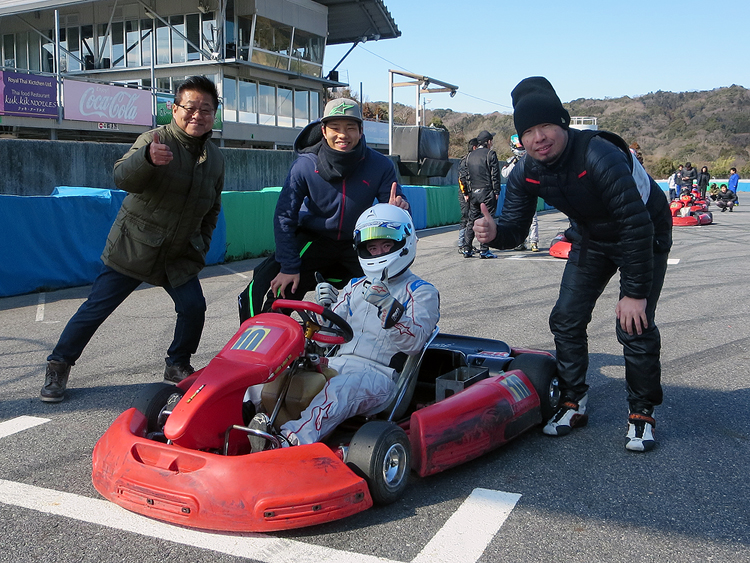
156 400
542 372
380 452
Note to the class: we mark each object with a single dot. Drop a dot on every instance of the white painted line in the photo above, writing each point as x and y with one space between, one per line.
40 308
19 424
243 276
259 547
467 533
463 538
673 261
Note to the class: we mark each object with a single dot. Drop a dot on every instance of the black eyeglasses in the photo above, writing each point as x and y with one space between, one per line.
192 111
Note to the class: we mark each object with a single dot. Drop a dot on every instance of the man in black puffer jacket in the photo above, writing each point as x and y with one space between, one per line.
620 221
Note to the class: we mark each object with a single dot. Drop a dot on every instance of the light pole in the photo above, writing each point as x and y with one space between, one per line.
425 101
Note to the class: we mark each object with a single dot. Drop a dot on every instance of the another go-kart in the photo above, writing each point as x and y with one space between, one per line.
560 246
690 210
181 454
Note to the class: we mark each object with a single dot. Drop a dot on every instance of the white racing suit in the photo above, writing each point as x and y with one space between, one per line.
365 380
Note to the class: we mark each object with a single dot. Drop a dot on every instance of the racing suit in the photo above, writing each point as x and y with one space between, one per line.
614 226
369 363
484 175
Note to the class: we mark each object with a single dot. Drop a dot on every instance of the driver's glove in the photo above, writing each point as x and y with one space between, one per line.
377 293
326 294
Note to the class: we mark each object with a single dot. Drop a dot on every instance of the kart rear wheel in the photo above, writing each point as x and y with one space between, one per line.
153 400
542 372
380 452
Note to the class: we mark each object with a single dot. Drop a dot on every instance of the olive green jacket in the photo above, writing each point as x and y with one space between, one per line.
163 230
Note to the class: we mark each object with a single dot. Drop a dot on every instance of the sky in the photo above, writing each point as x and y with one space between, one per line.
586 48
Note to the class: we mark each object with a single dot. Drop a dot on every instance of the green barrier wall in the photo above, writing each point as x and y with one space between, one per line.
249 217
442 205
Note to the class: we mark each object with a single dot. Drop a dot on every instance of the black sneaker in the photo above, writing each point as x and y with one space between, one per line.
262 423
176 373
640 437
55 381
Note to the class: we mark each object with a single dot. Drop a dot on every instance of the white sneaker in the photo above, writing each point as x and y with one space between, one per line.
570 415
640 437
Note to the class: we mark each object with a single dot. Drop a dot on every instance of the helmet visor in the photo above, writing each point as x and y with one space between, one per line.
390 231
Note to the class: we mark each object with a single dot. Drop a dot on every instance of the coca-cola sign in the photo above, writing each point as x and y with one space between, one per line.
85 101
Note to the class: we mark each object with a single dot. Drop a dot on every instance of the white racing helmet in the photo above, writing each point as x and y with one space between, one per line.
385 221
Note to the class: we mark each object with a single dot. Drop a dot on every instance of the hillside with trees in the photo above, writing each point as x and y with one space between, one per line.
709 128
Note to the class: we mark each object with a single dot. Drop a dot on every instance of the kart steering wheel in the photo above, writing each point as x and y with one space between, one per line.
340 330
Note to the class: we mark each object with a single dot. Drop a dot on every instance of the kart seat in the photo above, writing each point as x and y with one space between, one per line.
405 384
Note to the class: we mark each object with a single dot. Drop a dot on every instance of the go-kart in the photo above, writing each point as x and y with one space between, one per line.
560 246
181 453
690 211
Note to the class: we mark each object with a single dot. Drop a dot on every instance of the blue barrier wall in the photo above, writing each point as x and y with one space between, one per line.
51 242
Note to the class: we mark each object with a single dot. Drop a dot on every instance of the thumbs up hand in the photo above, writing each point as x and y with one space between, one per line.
160 153
485 228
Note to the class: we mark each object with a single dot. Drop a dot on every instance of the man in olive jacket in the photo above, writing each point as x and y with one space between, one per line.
174 177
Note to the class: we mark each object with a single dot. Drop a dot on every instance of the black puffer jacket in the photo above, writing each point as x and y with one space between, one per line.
592 183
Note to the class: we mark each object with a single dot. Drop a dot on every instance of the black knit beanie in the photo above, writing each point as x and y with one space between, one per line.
535 102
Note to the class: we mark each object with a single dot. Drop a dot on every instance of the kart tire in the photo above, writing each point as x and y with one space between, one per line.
380 452
542 372
154 398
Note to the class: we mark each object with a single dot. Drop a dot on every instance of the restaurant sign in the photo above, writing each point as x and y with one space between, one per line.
28 95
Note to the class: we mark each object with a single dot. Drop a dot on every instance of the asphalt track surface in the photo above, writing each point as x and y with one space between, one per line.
578 498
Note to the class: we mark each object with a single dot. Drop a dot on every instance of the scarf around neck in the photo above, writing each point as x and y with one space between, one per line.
335 165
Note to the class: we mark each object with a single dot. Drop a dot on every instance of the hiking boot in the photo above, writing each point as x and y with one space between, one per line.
55 381
262 423
640 437
534 247
176 373
571 414
486 254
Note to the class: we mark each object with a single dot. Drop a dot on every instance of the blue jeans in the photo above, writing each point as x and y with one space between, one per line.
110 289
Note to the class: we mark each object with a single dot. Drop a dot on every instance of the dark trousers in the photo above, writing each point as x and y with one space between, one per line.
110 289
336 260
475 212
581 286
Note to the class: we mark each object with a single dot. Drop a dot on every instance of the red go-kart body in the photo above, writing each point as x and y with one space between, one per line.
560 247
690 213
202 473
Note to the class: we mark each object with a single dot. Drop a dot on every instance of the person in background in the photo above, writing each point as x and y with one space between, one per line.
334 179
713 192
704 177
392 312
518 153
484 176
620 220
734 183
174 176
464 193
726 199
689 174
673 186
